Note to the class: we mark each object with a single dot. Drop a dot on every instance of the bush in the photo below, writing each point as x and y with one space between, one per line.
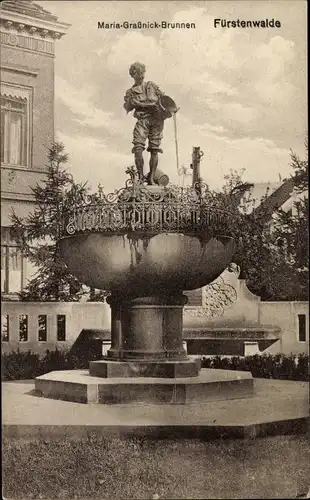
18 365
21 365
55 360
279 366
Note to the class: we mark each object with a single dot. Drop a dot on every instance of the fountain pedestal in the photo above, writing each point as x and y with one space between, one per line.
147 328
146 339
146 363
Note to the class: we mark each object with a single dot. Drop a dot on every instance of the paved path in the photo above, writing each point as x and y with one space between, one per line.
275 402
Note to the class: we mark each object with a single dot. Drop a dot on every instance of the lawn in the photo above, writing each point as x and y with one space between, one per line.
110 468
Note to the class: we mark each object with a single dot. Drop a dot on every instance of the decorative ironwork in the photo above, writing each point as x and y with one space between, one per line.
150 209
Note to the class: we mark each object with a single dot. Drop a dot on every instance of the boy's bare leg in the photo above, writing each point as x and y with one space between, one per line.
139 163
153 167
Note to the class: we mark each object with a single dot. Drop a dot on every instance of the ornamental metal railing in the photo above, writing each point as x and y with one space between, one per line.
140 208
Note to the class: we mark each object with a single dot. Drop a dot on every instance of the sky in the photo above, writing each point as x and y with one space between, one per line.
241 91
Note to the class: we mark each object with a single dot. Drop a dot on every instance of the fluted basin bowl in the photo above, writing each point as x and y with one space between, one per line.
141 264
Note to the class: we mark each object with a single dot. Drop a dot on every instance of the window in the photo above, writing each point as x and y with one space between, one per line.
23 327
5 327
42 327
11 264
61 327
14 131
301 327
16 104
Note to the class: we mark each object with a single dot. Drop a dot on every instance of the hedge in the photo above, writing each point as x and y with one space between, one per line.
28 365
19 365
278 366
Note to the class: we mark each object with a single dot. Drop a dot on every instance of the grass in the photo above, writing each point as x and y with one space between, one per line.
110 468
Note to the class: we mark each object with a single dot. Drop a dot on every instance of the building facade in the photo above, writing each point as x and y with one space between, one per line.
28 37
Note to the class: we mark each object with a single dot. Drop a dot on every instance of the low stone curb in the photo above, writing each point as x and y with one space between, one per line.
204 432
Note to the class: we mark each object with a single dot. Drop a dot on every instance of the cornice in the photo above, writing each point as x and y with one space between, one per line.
23 169
27 42
41 28
16 197
19 69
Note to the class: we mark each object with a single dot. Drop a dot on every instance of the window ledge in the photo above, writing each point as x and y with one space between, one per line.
20 69
7 166
8 297
17 167
23 168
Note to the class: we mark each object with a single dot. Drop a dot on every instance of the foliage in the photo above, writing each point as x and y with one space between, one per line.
272 252
279 366
19 365
96 295
300 167
291 231
37 233
253 253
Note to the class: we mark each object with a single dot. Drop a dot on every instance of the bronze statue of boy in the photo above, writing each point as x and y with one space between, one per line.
146 99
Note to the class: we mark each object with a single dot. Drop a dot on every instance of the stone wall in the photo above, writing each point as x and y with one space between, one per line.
242 315
285 315
78 316
97 315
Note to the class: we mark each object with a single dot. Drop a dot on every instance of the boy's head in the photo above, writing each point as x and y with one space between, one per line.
137 72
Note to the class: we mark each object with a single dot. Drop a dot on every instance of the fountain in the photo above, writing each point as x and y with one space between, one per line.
146 244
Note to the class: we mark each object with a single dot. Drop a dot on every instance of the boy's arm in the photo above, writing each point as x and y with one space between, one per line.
157 90
131 103
128 104
160 93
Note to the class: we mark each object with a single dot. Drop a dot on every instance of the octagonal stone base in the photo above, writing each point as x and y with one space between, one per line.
209 385
165 369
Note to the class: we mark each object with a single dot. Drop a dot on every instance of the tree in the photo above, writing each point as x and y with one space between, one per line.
253 252
301 172
275 261
291 229
37 234
96 295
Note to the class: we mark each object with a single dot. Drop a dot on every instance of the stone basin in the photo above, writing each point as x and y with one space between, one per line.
146 264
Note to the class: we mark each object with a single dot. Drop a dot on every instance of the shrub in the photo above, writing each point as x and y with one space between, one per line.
21 365
279 366
18 365
55 360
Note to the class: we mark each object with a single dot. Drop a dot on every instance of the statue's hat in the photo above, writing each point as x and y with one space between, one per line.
167 106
